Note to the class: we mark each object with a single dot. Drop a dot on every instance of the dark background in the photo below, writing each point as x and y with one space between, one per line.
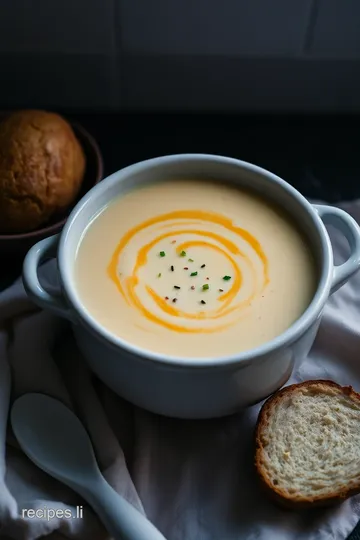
189 55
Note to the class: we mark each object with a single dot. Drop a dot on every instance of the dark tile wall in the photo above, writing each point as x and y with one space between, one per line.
234 55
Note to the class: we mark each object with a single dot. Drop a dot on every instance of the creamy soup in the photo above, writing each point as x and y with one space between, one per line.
194 269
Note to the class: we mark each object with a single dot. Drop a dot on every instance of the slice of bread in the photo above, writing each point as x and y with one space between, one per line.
308 444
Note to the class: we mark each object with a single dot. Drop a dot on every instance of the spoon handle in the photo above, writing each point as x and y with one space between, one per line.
119 517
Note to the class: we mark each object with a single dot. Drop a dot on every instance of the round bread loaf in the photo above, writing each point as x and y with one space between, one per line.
42 165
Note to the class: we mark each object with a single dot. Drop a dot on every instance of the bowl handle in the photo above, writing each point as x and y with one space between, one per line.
45 249
351 230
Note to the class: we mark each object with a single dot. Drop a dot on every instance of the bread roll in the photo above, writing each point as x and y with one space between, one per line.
42 165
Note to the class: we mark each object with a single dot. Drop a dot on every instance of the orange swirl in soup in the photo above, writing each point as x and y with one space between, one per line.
176 246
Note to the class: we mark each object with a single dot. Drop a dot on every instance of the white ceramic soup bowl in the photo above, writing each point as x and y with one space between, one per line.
193 387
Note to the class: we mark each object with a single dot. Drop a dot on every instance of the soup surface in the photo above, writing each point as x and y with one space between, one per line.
194 269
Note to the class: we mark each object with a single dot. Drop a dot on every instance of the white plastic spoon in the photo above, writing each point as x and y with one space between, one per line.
56 441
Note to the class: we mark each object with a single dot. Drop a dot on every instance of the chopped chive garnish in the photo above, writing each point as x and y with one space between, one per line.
191 260
159 274
226 278
172 268
203 302
202 266
183 254
205 287
174 300
176 287
193 274
162 253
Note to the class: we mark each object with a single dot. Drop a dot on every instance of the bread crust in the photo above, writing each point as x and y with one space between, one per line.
42 165
278 495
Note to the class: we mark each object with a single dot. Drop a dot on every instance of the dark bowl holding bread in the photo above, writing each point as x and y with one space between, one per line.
46 166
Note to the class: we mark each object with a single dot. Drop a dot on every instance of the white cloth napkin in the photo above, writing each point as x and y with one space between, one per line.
194 479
